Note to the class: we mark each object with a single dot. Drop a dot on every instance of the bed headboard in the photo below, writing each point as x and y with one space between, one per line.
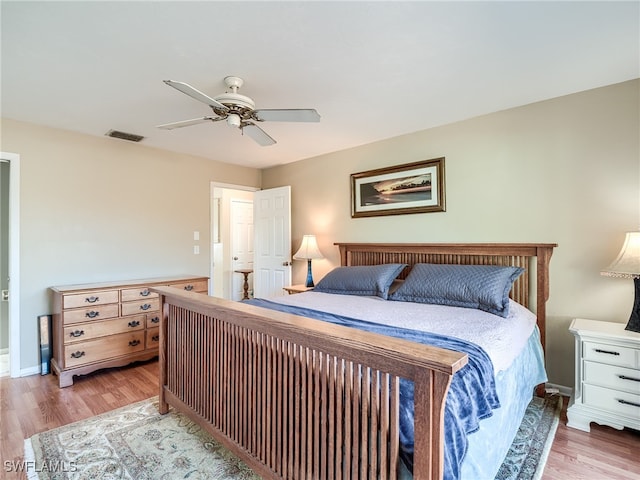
531 289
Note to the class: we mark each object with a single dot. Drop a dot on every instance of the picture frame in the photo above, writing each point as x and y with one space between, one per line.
417 187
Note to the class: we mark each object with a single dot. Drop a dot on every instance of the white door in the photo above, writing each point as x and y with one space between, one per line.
241 246
272 257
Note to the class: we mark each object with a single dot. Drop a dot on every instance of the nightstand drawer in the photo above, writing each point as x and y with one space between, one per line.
610 354
87 331
90 298
621 403
99 312
612 376
142 306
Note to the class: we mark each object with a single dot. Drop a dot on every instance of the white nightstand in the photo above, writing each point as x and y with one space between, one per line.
607 384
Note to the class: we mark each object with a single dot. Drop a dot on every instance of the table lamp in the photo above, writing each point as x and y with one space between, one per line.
627 265
308 251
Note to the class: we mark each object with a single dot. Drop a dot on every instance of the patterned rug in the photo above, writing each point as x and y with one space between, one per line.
136 442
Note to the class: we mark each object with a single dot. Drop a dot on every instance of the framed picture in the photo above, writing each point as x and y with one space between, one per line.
410 188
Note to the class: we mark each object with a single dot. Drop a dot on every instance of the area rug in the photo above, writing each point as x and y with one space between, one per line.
136 442
530 448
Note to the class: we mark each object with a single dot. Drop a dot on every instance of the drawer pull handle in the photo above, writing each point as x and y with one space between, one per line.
607 351
145 293
155 320
146 306
92 314
92 299
155 338
77 354
188 288
626 402
133 343
134 323
624 377
76 333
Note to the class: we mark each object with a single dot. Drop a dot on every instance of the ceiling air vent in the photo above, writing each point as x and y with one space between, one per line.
124 135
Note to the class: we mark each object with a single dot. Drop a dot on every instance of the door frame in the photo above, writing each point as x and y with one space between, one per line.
14 261
214 215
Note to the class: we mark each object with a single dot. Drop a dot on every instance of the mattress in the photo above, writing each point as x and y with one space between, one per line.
502 338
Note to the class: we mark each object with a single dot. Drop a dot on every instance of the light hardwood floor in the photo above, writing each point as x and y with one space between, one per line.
34 404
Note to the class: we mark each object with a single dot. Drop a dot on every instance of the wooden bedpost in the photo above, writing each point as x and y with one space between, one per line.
163 406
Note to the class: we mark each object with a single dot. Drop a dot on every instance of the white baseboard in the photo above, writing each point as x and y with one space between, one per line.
563 390
3 351
25 372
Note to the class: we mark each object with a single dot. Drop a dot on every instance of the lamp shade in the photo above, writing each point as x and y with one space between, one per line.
309 249
627 263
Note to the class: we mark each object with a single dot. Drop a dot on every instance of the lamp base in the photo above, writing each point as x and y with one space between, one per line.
309 282
634 320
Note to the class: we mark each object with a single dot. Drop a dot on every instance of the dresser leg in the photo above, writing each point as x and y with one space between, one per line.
65 379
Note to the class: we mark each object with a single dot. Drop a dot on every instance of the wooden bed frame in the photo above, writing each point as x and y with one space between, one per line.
300 398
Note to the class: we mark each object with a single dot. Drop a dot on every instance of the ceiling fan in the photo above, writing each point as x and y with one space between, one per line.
238 111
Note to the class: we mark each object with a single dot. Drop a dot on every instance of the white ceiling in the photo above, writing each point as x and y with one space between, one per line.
372 70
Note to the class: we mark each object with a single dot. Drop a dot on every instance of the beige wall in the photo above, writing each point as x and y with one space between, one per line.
564 171
96 209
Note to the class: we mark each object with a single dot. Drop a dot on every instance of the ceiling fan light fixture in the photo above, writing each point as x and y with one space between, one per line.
233 120
239 111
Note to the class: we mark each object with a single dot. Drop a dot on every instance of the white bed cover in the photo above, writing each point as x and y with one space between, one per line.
502 338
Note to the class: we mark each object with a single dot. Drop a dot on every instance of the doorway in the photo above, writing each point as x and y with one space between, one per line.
231 239
9 264
250 236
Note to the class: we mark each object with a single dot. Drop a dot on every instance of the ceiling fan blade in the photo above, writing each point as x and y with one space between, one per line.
288 115
187 123
259 135
195 93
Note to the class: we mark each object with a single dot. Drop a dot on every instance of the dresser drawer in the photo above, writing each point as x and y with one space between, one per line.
98 312
87 331
199 286
610 354
103 348
90 298
621 403
612 376
139 293
153 338
141 306
153 320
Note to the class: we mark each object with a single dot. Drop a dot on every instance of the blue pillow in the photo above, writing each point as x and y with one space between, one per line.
372 280
485 287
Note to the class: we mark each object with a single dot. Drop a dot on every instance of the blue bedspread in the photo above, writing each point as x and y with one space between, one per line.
472 395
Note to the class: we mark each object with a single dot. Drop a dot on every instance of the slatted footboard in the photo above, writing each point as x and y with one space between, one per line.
300 398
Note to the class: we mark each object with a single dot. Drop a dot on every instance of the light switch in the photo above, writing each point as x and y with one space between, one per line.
196 235
196 249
